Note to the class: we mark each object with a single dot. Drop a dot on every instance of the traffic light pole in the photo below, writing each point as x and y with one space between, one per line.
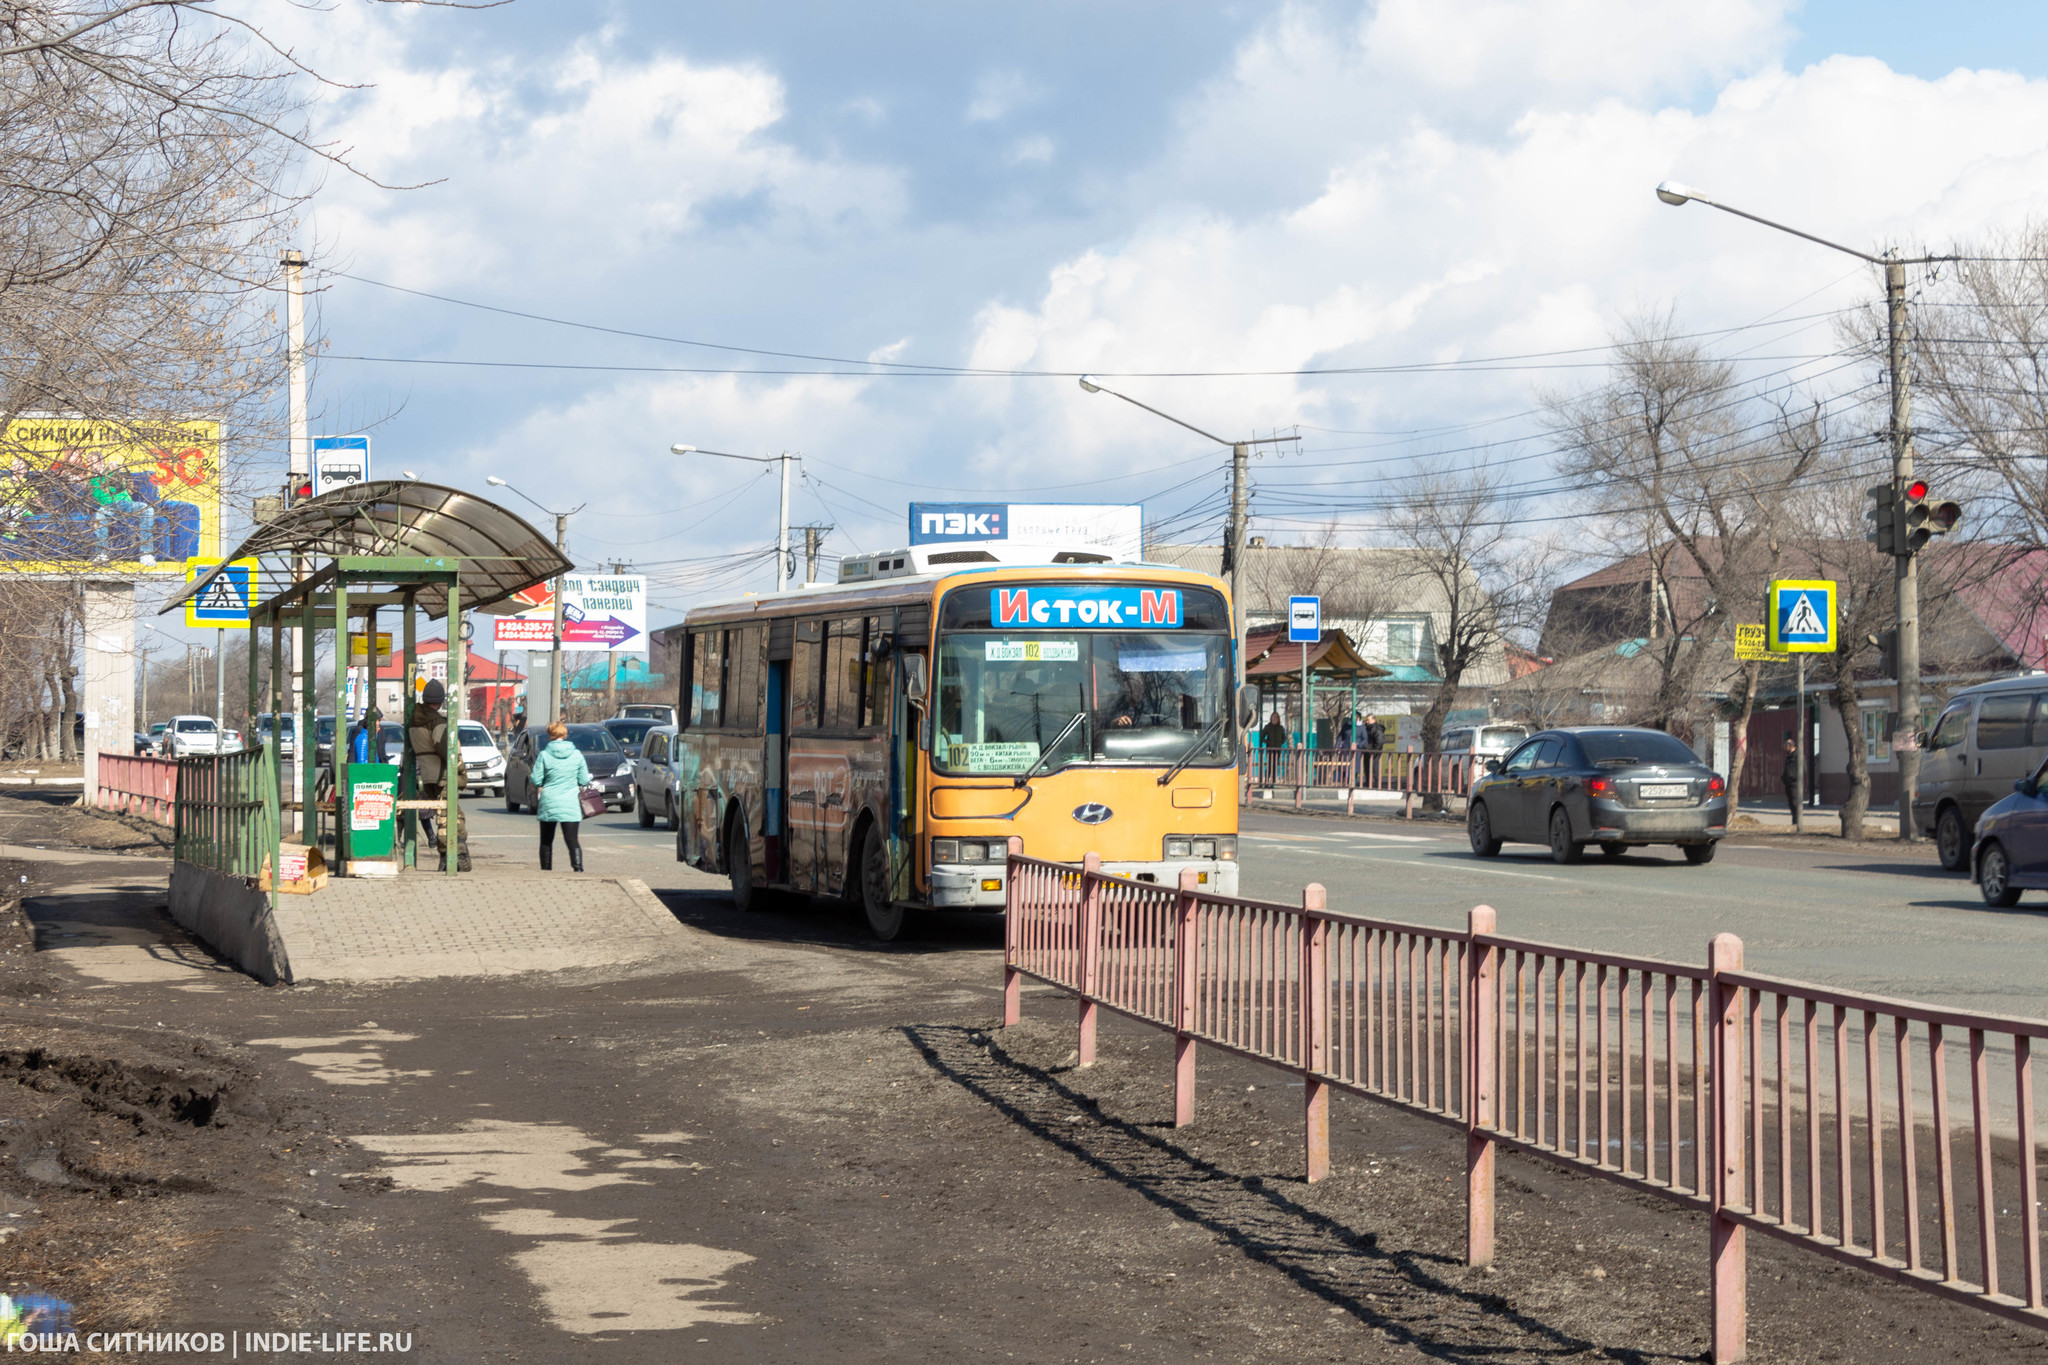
1906 579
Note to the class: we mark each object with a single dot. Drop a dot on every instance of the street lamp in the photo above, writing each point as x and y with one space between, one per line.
555 660
1240 495
1905 578
782 564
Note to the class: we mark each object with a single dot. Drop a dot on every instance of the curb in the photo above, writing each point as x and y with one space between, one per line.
42 782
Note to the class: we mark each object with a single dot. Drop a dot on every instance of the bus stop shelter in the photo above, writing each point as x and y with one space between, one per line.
1284 669
337 565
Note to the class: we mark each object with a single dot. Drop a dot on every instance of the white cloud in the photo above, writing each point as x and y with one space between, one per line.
1000 93
1035 150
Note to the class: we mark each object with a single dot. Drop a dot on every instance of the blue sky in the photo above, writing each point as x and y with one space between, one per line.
1145 188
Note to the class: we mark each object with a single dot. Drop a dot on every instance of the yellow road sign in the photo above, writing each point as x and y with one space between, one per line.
1750 643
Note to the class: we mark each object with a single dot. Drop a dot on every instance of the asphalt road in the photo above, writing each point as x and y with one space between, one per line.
1866 916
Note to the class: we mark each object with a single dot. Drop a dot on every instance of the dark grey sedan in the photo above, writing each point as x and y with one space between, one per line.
1616 786
610 773
2011 852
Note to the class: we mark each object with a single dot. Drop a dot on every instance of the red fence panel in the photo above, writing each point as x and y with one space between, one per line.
138 786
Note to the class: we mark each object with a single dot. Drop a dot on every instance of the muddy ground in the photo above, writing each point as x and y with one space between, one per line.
845 1157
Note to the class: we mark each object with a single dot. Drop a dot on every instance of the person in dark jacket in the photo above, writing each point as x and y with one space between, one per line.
1375 737
426 738
1792 765
1272 742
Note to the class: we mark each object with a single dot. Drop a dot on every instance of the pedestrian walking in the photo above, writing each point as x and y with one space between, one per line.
1792 760
1375 736
426 735
1272 743
559 777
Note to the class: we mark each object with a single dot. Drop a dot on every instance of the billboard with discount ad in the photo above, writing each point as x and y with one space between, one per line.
598 612
80 496
1115 528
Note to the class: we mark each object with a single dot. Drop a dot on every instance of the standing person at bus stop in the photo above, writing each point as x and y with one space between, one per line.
1792 759
559 777
1272 740
426 735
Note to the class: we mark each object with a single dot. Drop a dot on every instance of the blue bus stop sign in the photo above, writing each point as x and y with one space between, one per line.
1304 620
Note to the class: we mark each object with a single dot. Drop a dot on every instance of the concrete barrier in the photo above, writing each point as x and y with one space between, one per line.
231 917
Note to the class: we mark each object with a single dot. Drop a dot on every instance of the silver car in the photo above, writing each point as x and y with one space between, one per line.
656 784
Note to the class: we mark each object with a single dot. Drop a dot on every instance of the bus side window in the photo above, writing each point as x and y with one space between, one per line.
875 681
842 674
743 697
807 661
710 668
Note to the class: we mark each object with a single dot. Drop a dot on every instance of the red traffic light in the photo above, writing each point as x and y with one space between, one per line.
1917 489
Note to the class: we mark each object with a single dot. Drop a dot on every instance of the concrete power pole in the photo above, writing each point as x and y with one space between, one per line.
556 692
611 669
1906 574
814 541
299 464
1240 513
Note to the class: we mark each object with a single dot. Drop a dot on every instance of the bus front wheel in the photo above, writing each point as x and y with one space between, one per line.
885 916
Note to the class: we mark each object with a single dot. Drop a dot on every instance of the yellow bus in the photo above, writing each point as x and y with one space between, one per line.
882 739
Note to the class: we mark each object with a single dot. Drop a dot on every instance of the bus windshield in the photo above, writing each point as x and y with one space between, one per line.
1145 697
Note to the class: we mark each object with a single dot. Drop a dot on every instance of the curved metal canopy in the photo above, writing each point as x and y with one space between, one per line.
500 553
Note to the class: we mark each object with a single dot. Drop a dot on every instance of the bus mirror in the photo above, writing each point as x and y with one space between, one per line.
1247 705
915 683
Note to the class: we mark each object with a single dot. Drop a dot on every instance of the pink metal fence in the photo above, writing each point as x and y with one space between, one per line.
1791 1108
145 787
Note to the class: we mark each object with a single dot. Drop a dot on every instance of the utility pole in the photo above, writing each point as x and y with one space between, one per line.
784 570
611 668
557 693
299 465
1906 577
1906 581
220 680
814 544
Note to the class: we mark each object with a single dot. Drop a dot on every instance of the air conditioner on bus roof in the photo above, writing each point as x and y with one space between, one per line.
938 558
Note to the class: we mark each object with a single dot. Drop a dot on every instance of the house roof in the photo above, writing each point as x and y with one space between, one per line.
1269 654
482 667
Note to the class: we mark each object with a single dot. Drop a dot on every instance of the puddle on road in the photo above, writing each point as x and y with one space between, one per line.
362 1065
593 1275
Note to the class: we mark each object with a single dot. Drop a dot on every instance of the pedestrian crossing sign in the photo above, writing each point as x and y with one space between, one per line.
1802 619
222 604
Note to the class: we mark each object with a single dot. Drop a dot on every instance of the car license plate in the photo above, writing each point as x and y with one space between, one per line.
1651 791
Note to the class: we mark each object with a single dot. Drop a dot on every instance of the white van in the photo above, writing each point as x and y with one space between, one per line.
1491 740
188 735
1987 738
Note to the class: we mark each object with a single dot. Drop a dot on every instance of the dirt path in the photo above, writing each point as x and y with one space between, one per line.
793 1146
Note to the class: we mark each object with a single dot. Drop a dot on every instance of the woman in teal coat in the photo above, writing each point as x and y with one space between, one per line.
559 777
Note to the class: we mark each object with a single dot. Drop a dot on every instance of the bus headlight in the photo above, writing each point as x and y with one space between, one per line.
1179 846
970 850
1222 847
945 850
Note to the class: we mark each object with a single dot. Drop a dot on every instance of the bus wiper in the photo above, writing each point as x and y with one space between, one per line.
1050 750
1188 756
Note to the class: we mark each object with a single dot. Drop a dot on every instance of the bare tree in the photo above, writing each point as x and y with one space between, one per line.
1674 438
1461 548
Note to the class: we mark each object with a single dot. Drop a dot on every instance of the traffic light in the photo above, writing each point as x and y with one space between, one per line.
1883 514
1887 642
1920 520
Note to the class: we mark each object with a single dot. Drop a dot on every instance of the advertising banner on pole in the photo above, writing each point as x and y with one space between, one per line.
80 497
339 461
608 613
1117 529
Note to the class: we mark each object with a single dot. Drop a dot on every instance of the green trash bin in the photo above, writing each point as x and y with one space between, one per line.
370 807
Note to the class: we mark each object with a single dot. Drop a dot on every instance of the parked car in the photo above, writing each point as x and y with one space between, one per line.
156 737
655 780
483 767
390 742
1494 739
2010 852
1616 786
610 773
1987 738
188 735
266 724
659 712
144 745
629 733
323 741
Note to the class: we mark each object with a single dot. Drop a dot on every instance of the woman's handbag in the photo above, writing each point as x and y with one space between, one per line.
593 802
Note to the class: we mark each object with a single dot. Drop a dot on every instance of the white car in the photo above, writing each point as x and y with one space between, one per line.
647 710
655 784
188 735
483 764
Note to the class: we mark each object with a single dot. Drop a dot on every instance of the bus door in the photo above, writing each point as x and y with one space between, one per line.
806 671
775 769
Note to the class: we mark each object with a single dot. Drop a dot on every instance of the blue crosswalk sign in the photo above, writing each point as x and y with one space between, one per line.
1802 616
223 603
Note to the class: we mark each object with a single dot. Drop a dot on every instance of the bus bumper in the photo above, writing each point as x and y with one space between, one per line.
984 886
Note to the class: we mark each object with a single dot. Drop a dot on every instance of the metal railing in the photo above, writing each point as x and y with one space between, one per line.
227 812
1351 771
1676 1079
134 785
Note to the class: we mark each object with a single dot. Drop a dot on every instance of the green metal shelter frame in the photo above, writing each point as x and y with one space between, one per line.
393 544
